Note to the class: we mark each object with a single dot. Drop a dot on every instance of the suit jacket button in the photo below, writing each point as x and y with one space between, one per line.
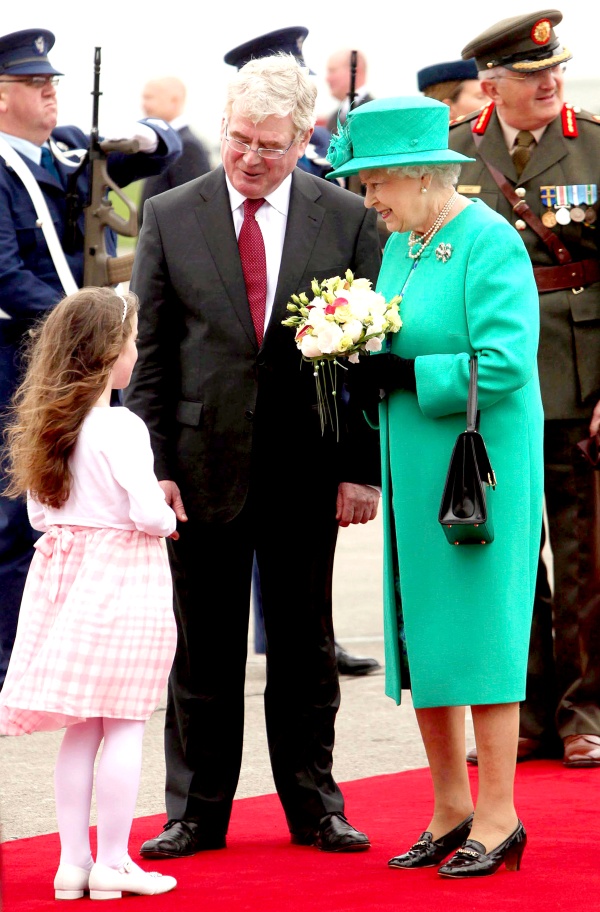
249 414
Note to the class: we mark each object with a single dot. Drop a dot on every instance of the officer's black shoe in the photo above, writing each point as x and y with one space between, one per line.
354 665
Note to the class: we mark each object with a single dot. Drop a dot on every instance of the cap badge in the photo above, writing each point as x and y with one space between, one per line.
541 31
40 45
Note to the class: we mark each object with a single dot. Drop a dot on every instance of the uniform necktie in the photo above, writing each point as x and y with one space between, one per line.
254 265
48 163
522 152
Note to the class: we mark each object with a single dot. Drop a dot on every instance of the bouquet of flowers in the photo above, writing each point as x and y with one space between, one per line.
344 318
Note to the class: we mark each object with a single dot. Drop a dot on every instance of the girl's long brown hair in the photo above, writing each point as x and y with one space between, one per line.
68 361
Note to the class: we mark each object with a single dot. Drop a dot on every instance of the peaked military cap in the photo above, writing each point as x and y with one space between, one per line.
526 44
26 53
450 71
281 41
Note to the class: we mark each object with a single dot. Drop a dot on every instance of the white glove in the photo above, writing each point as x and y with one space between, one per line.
146 137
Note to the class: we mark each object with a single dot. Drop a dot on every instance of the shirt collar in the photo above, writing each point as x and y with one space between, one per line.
510 133
279 199
25 147
178 123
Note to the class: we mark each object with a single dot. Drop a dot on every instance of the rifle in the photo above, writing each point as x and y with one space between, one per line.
353 181
99 268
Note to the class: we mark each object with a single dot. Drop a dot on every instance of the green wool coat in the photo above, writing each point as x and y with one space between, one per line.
466 609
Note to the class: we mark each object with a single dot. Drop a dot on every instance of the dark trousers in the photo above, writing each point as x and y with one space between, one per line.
212 568
563 674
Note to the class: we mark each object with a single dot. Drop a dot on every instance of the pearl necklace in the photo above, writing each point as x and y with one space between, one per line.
426 238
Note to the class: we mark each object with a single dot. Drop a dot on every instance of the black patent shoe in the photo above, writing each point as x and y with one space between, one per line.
471 860
179 839
427 852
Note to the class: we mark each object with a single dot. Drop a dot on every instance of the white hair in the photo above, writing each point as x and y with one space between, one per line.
274 87
441 175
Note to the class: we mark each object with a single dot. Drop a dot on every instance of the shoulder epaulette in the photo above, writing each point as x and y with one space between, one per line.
464 118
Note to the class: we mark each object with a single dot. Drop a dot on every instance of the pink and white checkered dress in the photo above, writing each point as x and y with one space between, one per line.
96 634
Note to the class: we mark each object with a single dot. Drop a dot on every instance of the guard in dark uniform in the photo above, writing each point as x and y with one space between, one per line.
29 282
538 164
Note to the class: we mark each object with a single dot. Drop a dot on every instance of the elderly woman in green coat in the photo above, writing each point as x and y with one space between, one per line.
467 289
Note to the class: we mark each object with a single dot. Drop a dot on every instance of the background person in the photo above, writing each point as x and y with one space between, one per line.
456 83
547 155
29 281
232 410
466 626
165 98
96 634
338 76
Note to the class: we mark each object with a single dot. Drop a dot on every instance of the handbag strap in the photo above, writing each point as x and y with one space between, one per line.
472 413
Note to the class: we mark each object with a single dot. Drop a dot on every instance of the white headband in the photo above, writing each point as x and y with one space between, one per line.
124 307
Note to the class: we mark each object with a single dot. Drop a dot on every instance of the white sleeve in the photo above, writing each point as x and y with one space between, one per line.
132 464
36 514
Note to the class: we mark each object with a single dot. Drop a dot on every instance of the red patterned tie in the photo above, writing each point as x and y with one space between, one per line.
254 265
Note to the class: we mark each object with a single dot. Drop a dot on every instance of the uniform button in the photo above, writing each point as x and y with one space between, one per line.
520 225
520 192
249 414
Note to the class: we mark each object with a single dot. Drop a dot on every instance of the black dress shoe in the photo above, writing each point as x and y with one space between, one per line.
471 860
179 839
427 852
334 834
354 665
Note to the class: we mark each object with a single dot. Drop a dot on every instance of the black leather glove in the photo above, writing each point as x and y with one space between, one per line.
385 372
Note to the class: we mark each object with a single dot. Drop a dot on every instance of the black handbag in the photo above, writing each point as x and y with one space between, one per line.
466 507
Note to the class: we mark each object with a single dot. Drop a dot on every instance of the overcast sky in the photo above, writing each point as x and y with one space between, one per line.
142 39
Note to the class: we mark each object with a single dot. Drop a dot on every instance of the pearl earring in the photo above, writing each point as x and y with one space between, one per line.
423 189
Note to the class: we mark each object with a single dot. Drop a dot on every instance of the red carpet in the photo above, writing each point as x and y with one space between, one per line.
261 872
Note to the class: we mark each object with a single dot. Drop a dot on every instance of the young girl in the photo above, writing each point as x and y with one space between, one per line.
96 635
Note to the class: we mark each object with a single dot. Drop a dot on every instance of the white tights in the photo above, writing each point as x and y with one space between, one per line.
117 784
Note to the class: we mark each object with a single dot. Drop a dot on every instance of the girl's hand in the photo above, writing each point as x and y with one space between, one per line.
174 535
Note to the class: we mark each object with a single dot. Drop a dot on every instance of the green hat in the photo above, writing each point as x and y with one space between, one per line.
525 44
392 132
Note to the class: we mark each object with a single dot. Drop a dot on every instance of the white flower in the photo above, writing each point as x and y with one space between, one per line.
329 338
309 346
354 358
373 345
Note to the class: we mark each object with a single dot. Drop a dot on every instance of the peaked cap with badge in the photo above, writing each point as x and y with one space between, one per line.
559 188
525 44
25 53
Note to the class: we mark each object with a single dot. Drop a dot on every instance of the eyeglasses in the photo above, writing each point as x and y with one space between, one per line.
36 82
532 77
238 146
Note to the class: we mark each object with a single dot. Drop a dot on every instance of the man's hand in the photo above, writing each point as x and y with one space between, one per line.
173 498
595 422
356 503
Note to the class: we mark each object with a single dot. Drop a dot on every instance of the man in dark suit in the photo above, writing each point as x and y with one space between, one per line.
165 98
538 164
241 456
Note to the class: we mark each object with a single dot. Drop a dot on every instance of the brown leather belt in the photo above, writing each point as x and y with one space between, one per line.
572 275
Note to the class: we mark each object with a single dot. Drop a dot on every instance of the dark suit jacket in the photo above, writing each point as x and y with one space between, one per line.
569 352
192 163
211 399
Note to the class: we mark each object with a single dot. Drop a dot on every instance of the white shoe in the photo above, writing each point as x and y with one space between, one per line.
111 883
70 882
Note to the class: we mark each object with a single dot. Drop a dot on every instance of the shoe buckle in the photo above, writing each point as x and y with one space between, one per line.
470 852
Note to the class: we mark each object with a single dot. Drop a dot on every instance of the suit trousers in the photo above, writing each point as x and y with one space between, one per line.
563 674
212 568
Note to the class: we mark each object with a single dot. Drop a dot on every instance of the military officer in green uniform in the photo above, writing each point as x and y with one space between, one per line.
538 164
